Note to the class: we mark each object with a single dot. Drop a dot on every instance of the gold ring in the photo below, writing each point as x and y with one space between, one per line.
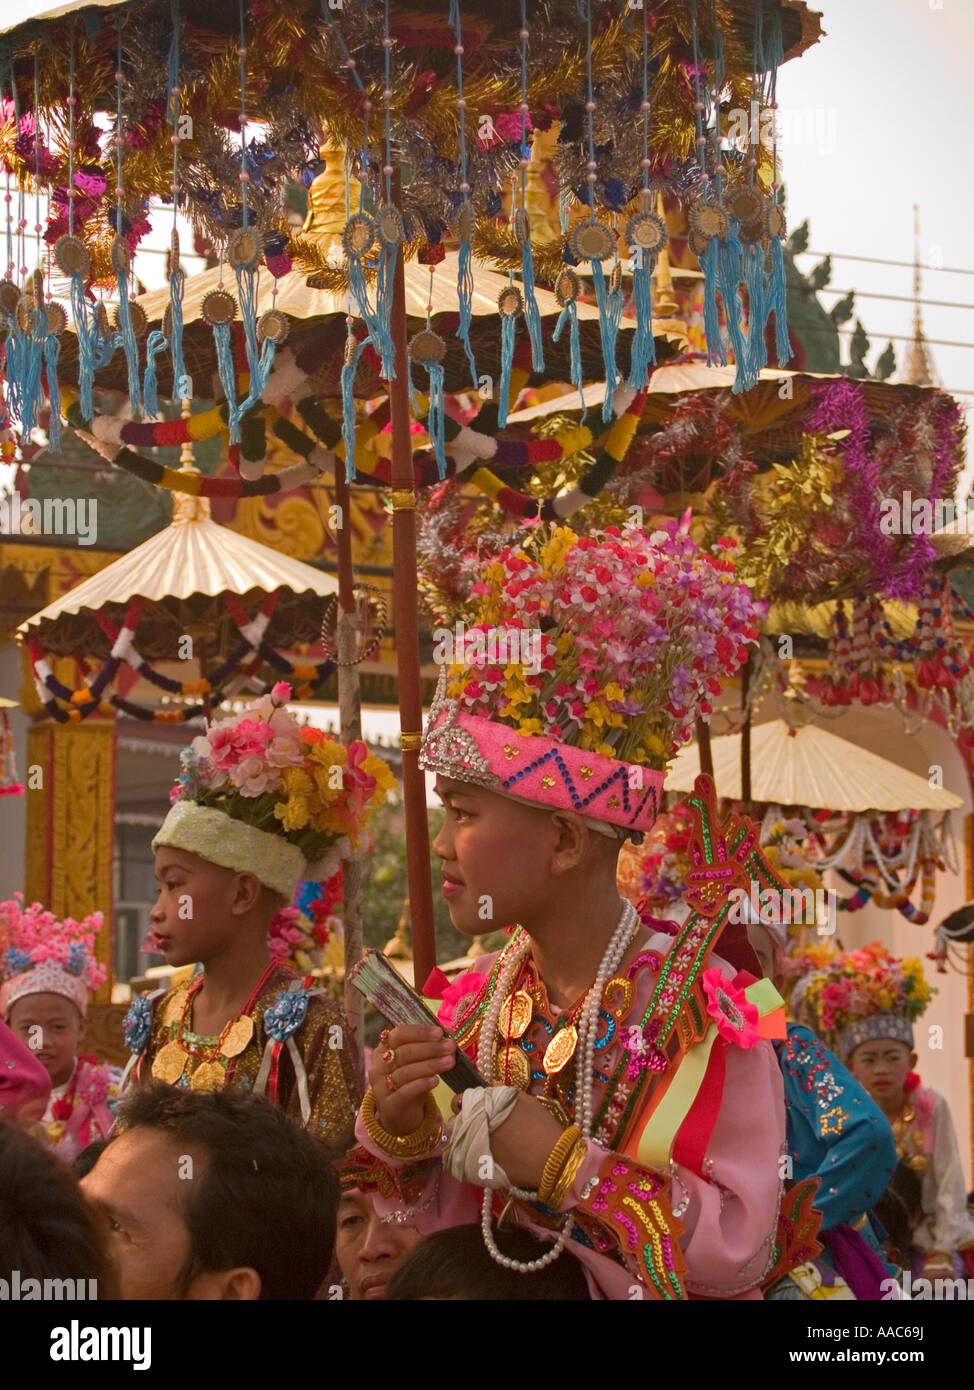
390 1082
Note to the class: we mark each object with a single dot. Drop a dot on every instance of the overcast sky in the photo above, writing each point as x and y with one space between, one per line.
888 96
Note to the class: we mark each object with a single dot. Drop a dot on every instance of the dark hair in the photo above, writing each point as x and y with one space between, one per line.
456 1264
88 1157
268 1199
898 1209
47 1230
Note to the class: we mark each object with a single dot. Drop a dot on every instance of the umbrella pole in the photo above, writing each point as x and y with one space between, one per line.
746 737
406 623
350 714
704 749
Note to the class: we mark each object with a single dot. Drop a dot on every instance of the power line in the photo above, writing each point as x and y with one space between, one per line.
900 298
889 337
879 260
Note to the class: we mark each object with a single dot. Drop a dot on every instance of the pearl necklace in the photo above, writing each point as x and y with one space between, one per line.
587 1029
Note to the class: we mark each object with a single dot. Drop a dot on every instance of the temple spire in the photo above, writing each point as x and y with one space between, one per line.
918 368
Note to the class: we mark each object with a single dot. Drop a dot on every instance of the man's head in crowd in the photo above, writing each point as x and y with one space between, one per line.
368 1249
214 1195
456 1264
47 1231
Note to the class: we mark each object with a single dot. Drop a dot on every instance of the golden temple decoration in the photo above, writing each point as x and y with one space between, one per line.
70 825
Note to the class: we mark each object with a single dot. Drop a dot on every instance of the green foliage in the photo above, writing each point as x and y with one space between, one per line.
885 364
798 241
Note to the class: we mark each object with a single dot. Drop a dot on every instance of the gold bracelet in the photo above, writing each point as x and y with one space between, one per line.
421 1142
556 1159
568 1175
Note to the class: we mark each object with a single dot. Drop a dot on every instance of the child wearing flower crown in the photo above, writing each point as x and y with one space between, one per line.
633 1110
49 972
866 1002
260 804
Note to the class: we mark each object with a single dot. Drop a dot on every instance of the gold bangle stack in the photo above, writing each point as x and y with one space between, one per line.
419 1144
557 1160
568 1174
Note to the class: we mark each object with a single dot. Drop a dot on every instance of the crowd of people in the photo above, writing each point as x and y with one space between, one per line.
647 1122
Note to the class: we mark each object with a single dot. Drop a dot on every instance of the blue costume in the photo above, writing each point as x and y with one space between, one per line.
836 1133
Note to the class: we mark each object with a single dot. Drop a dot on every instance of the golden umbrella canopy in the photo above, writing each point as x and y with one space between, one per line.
182 572
810 767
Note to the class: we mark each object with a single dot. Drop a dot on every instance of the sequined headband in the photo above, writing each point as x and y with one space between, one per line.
47 977
536 769
873 1029
233 844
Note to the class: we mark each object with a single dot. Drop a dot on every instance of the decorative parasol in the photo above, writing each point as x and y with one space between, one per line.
810 767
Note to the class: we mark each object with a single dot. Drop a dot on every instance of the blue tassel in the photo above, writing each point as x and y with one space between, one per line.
32 391
507 357
569 315
247 296
532 316
224 365
177 280
778 304
609 315
436 418
348 407
258 380
729 255
465 291
716 347
383 312
379 332
150 392
755 356
86 352
105 349
644 344
52 351
14 366
129 345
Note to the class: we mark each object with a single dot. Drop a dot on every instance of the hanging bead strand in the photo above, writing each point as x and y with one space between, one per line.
465 221
532 315
121 260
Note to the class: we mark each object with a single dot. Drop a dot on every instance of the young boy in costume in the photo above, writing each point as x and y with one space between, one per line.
867 1002
838 1135
633 1105
49 971
261 803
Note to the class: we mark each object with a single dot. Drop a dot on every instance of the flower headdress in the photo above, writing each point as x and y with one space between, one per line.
40 954
656 875
863 995
308 931
263 794
587 669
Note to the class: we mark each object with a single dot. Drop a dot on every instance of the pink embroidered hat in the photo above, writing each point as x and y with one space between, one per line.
42 955
588 665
